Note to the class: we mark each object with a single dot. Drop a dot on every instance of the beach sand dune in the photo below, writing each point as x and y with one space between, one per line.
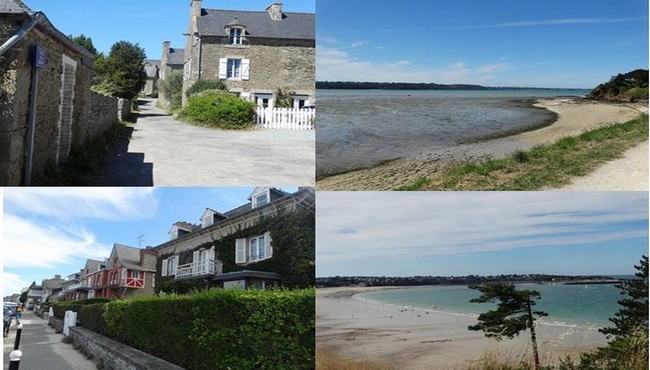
574 117
412 338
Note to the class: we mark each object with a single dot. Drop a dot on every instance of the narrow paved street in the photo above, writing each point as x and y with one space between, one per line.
163 151
42 348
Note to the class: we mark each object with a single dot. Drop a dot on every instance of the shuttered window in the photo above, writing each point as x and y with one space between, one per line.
233 68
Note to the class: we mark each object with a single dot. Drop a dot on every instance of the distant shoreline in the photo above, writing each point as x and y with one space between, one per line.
351 85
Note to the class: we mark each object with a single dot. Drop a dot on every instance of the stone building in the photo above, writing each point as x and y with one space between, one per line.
252 253
152 70
254 52
172 60
46 106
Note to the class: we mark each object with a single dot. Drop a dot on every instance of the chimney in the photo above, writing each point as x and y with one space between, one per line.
195 8
275 11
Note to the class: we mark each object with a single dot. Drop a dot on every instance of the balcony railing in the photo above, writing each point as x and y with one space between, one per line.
211 267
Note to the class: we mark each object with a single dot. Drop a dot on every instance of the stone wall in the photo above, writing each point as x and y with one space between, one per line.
57 324
54 136
110 354
274 63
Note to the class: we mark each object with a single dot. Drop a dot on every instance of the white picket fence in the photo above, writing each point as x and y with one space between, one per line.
286 118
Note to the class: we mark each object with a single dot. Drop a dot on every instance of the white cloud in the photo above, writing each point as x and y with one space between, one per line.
359 226
334 64
553 22
33 244
93 202
12 283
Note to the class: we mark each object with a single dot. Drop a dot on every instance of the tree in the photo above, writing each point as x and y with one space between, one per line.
634 312
85 42
122 72
513 314
23 298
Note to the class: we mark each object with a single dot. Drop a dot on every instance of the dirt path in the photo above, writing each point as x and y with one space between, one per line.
629 173
163 151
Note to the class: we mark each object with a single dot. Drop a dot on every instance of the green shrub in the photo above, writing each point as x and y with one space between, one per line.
220 329
202 85
171 89
218 108
91 317
59 308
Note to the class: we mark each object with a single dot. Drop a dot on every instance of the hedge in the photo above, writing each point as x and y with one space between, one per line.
220 329
60 307
91 317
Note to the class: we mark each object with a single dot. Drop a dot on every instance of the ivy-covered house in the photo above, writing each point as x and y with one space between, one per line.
265 243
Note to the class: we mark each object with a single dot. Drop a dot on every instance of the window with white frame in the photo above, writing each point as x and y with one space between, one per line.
234 68
169 266
263 100
300 101
135 274
253 249
236 36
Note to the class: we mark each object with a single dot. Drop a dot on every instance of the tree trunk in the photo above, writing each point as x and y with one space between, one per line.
533 336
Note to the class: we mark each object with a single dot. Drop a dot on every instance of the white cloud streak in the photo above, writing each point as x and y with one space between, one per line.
335 64
358 226
553 22
40 245
98 203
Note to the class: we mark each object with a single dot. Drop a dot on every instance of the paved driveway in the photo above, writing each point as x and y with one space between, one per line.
163 151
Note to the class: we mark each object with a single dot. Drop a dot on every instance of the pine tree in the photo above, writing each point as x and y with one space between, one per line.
634 312
514 312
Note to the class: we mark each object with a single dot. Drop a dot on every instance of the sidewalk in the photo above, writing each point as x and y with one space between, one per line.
42 348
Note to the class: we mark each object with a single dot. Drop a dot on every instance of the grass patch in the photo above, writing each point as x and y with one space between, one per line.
85 161
552 165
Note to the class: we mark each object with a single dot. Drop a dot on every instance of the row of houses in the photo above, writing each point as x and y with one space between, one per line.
255 53
247 247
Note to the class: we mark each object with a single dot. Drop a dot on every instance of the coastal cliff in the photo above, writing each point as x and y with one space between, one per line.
624 87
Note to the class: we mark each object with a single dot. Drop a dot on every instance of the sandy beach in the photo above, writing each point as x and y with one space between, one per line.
412 338
574 117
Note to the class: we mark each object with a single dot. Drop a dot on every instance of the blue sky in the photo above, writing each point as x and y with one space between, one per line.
552 43
48 231
146 22
482 233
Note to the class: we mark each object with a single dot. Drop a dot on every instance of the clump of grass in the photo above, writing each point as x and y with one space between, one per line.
84 161
552 165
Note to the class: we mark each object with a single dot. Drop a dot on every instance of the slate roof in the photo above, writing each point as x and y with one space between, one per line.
129 257
259 24
176 56
13 7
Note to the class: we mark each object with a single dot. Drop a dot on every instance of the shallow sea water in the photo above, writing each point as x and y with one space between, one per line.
363 128
587 306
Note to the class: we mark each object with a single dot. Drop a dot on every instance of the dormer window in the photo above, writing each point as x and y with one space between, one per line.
235 31
236 36
260 199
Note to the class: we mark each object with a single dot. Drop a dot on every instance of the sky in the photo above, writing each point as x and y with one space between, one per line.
146 22
551 43
49 231
481 233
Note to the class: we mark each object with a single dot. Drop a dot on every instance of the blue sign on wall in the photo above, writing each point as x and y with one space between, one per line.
41 57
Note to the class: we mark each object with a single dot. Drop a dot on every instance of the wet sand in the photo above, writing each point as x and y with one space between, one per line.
574 117
412 338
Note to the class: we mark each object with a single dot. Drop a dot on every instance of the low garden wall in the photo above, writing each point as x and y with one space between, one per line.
109 354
